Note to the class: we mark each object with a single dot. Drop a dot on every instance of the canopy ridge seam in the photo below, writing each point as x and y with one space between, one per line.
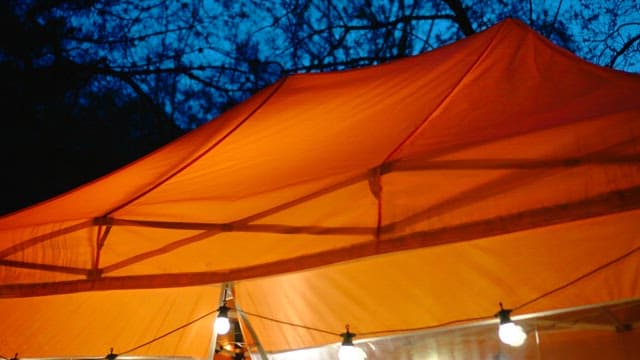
277 87
460 146
446 97
420 125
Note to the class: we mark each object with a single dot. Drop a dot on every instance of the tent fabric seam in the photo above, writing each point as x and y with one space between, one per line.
203 153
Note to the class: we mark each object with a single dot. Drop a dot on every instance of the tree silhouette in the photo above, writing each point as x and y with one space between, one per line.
95 84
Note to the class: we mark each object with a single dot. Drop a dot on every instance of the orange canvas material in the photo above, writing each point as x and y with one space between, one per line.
402 196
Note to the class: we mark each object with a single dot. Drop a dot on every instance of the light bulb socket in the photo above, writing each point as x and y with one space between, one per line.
347 338
504 315
223 311
111 355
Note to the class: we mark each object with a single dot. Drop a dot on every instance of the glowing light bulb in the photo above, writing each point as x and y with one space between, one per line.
508 332
511 334
350 352
222 324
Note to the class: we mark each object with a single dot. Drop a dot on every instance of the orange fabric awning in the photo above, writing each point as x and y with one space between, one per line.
425 190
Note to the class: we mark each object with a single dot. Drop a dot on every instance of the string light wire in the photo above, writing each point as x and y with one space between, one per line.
292 324
581 277
390 331
170 332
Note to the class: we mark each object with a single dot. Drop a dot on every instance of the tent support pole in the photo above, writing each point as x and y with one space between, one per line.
254 336
214 336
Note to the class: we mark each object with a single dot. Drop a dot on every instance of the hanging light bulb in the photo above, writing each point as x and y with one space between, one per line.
222 324
347 350
508 332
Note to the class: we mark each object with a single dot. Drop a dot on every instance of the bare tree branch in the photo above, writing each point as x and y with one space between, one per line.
461 16
622 50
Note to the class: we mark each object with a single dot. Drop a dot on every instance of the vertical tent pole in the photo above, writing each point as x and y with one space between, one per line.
214 336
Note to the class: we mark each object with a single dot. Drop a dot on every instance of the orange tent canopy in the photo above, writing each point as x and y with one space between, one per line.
403 196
